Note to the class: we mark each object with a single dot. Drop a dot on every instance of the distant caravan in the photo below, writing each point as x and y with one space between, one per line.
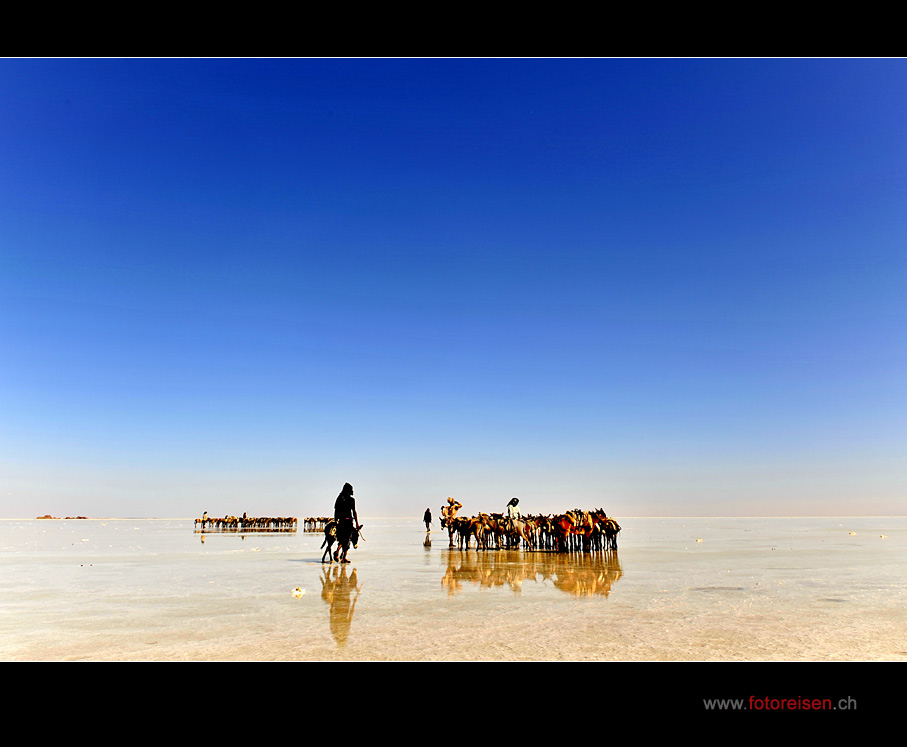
246 524
315 523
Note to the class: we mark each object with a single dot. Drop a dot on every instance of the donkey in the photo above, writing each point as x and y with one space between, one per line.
330 537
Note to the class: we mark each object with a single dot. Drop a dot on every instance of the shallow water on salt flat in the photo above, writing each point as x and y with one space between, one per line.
727 589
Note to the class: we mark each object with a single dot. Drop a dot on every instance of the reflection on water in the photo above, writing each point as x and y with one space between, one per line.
336 590
235 533
754 590
241 533
581 574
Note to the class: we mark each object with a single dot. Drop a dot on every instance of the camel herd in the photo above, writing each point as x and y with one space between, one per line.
576 530
246 523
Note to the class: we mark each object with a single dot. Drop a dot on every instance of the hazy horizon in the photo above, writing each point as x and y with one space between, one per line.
659 287
417 519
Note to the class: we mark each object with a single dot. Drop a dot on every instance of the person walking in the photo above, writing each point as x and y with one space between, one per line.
427 519
347 519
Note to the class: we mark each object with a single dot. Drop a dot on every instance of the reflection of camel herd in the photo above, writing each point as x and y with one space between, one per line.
575 530
246 523
586 575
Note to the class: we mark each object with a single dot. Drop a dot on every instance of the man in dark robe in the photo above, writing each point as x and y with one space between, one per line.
347 520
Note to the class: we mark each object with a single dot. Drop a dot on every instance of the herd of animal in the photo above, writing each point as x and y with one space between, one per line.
246 523
315 523
576 530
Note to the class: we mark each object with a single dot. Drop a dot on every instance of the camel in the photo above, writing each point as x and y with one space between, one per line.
583 526
522 530
464 527
482 527
611 529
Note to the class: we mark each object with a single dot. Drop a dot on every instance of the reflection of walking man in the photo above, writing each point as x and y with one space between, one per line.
336 591
345 515
427 519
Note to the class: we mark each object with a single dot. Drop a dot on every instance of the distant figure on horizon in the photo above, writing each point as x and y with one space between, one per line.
427 519
347 519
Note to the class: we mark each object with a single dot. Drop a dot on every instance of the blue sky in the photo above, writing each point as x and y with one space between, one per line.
661 287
